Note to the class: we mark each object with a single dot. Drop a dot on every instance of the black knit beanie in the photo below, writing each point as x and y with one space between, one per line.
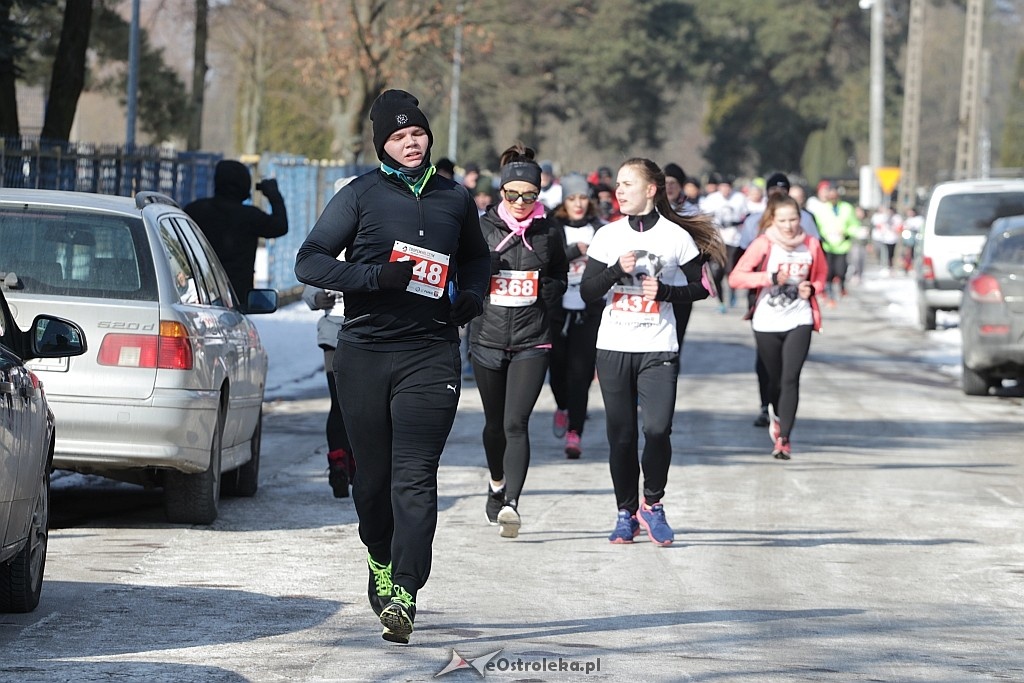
394 110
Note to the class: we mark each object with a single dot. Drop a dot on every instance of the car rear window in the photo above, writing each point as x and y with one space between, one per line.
961 215
75 253
1005 247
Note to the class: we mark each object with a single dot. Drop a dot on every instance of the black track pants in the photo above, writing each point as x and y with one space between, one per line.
399 407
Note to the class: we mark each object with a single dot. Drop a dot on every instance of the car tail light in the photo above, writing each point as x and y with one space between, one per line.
927 268
993 330
985 289
170 350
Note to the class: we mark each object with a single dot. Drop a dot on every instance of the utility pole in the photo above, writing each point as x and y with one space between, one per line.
910 133
870 188
133 77
453 118
970 94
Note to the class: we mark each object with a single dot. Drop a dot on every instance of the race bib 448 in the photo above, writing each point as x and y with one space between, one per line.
430 273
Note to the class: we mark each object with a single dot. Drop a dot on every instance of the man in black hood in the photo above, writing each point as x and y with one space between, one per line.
233 228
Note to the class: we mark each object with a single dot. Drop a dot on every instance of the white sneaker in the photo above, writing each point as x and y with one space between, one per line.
508 522
774 428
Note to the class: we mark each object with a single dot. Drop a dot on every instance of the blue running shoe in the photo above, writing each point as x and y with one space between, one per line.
626 528
652 519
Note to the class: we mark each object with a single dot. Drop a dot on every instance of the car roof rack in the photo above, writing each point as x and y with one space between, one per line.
144 198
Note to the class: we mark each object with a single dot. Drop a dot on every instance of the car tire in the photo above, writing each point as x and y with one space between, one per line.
245 480
927 315
974 384
21 579
195 498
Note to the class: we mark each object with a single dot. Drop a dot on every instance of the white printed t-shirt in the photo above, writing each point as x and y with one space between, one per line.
779 307
629 323
572 300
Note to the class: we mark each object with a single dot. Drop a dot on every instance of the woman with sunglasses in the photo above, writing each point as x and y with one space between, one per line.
511 340
641 265
574 323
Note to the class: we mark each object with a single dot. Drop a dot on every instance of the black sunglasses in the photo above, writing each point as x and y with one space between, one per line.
528 197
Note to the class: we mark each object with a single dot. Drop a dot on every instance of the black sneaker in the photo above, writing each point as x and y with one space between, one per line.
380 588
762 419
398 615
495 501
337 477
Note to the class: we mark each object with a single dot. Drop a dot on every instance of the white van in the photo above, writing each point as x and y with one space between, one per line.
959 216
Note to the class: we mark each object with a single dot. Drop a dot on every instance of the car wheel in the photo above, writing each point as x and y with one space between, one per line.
974 384
21 579
194 498
245 480
927 315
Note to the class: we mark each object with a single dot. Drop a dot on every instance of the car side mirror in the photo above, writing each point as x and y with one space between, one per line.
961 269
261 301
52 337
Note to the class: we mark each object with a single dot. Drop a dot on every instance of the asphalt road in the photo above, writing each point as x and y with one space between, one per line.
889 549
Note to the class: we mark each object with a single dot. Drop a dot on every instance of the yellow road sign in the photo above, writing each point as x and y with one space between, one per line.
888 176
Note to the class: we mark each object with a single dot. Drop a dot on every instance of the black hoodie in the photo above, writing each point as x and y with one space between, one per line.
234 229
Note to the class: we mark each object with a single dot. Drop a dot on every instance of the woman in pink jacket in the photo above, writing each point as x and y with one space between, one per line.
785 267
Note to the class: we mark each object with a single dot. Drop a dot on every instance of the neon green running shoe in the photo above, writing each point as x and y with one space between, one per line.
398 615
379 590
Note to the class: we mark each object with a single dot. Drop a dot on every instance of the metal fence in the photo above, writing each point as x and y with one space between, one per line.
307 185
106 169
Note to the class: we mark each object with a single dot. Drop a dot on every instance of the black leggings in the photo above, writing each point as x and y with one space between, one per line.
573 350
647 381
508 393
337 437
836 271
783 355
398 421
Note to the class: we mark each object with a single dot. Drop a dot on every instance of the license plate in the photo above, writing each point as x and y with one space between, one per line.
48 364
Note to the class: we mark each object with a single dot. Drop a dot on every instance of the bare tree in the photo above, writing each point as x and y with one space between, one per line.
363 46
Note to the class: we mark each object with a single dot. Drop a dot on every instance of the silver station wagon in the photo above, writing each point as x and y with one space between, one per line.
26 446
170 391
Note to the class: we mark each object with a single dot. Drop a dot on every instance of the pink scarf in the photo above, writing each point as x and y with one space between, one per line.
518 227
775 236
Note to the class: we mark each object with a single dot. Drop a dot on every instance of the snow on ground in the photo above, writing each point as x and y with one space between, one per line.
943 347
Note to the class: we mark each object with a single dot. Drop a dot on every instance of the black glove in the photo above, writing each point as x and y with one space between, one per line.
395 275
323 301
466 307
269 188
495 262
551 291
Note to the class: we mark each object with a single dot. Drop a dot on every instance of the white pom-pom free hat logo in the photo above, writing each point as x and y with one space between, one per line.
402 119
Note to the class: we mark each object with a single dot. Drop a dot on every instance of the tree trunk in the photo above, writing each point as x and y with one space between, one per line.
9 126
257 85
195 127
68 77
